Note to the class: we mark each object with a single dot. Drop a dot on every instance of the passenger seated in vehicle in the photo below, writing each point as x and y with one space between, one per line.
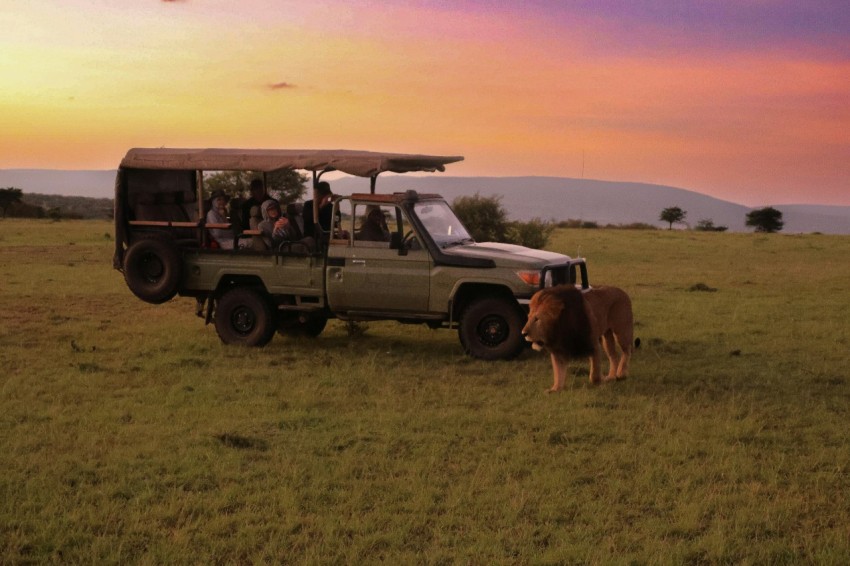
255 218
257 198
275 227
217 214
374 226
295 212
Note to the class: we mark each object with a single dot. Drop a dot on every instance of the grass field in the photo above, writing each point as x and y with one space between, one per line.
130 434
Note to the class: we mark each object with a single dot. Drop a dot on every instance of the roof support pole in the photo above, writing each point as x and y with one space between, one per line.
315 198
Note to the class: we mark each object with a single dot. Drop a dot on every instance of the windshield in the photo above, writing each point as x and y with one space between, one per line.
442 224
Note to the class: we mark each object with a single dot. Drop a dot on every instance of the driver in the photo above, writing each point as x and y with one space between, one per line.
374 228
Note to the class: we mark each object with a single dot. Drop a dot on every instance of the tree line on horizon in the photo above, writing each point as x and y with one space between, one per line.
14 203
485 217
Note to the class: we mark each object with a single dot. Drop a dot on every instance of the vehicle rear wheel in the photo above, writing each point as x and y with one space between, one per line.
491 329
244 317
152 269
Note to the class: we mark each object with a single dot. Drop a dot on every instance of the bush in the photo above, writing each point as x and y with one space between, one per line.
708 226
484 217
632 226
487 221
577 223
532 234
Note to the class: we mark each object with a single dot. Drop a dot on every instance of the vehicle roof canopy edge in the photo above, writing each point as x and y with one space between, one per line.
353 162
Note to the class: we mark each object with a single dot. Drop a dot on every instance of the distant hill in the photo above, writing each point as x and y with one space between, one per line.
547 198
96 184
604 202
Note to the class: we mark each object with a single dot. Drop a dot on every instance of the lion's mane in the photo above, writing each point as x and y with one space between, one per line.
567 330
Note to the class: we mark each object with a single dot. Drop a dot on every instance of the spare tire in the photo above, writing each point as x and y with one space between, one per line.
152 269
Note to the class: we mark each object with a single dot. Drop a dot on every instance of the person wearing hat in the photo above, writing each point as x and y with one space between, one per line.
218 215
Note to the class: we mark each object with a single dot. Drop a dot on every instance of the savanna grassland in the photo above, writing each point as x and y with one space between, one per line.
130 434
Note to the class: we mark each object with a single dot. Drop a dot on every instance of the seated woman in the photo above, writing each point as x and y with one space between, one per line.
218 215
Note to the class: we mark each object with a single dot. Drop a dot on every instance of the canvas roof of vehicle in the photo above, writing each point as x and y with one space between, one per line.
358 163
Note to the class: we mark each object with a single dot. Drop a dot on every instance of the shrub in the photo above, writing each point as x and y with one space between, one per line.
484 217
708 226
532 234
487 221
577 223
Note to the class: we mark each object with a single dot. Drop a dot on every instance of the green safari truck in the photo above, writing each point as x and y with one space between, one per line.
402 256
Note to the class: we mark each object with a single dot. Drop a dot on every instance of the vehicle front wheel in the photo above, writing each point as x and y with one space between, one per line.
491 329
244 317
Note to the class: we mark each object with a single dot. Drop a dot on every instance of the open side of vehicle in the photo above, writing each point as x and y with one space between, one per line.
403 257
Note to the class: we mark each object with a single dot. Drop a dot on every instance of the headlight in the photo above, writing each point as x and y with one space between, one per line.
530 277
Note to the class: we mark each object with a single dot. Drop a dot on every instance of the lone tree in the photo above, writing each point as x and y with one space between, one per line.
673 215
767 219
8 197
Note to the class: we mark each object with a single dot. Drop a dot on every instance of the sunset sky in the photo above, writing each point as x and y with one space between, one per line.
746 100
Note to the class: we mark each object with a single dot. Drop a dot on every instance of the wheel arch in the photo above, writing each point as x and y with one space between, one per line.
470 291
229 281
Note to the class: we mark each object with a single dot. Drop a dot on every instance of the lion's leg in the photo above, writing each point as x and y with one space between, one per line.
595 362
627 346
559 371
611 351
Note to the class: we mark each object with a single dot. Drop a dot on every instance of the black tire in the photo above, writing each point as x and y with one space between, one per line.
244 317
292 324
491 329
153 269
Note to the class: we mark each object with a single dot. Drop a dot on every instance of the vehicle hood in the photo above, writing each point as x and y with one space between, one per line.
508 255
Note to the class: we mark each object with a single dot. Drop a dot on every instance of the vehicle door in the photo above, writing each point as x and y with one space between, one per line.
364 273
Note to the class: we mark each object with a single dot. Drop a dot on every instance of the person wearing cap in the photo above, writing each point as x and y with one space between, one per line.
218 215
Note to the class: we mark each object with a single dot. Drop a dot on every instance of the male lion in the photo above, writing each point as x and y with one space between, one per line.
569 323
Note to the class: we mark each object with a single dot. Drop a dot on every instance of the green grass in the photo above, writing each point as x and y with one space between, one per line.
131 435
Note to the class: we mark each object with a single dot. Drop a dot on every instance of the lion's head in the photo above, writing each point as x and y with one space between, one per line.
557 322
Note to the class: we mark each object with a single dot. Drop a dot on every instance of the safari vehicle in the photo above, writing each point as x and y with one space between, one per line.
424 269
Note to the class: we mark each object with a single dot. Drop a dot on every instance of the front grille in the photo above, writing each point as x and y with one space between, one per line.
570 273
